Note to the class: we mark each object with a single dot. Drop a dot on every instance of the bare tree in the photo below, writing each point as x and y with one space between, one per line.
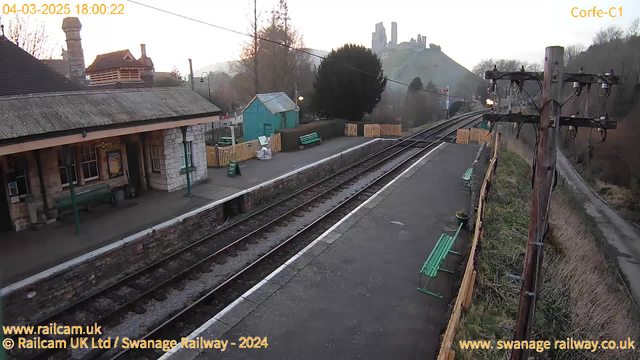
611 34
31 37
571 52
634 28
248 65
533 66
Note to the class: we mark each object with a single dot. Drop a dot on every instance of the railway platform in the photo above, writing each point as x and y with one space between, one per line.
29 252
352 292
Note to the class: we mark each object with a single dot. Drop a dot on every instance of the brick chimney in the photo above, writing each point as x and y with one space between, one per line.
148 72
71 27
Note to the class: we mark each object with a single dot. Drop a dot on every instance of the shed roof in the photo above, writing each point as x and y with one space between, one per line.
277 102
53 114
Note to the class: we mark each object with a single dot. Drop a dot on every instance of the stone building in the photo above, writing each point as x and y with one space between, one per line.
379 39
56 133
115 70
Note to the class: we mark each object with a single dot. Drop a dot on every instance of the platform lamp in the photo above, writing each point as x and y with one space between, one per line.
208 83
67 156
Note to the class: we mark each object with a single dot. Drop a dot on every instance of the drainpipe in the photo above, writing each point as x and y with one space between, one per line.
43 189
186 159
147 177
68 160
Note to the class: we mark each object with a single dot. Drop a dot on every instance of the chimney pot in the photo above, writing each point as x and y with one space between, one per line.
143 50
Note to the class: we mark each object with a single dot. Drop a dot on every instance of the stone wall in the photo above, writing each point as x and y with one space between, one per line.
172 145
42 298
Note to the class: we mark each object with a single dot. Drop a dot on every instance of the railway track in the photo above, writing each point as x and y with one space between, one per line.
111 306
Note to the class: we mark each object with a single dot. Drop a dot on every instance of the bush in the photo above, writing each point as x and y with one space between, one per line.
326 129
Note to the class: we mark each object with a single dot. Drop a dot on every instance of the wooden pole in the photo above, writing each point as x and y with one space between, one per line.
540 205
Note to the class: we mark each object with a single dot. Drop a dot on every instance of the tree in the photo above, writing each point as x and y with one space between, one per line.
349 83
611 34
416 84
175 72
571 52
31 37
634 28
420 106
249 63
273 62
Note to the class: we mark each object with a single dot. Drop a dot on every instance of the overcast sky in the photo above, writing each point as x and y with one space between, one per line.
467 30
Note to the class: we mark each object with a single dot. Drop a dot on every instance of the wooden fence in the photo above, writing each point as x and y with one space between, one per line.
464 136
221 156
350 129
465 294
378 130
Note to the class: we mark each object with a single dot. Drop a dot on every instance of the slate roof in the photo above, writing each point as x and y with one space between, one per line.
61 66
114 60
277 102
21 73
48 115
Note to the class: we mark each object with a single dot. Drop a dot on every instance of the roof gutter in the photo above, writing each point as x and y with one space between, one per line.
28 143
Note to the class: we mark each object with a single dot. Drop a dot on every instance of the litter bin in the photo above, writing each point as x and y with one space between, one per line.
33 210
120 196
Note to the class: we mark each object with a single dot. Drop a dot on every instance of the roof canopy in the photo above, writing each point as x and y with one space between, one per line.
277 102
54 114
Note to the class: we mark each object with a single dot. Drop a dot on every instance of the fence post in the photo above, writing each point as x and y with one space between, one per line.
217 155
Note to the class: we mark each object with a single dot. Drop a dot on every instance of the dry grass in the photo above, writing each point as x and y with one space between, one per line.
581 296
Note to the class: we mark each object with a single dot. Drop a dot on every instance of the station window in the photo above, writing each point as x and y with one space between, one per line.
90 163
18 179
156 159
189 156
62 169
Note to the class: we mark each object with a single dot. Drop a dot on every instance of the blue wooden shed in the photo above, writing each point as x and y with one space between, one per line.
267 113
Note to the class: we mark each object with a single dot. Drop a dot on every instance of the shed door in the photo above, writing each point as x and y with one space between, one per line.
268 130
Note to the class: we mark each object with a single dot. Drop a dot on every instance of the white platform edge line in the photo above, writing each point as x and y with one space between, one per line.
88 256
242 297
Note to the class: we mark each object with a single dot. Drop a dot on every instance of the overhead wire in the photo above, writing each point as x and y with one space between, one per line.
288 46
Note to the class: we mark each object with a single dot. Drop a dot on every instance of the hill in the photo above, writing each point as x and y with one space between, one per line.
430 65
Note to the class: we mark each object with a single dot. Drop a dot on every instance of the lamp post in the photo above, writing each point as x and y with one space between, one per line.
298 98
67 154
208 83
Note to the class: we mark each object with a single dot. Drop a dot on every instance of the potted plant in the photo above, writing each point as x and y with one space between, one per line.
462 217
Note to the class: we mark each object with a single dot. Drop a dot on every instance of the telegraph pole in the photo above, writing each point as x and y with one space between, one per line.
541 202
549 121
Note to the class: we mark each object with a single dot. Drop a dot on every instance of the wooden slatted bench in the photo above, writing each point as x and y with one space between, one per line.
310 139
84 198
466 179
434 261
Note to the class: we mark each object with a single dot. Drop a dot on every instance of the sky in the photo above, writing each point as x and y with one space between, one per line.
467 30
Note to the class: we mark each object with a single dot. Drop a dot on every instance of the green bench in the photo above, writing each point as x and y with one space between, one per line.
432 265
84 198
466 179
225 141
310 139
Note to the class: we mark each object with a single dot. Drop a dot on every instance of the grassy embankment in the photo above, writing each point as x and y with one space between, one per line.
580 296
621 199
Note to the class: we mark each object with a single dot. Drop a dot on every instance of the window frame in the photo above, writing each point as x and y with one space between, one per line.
83 161
23 177
60 157
154 154
189 153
